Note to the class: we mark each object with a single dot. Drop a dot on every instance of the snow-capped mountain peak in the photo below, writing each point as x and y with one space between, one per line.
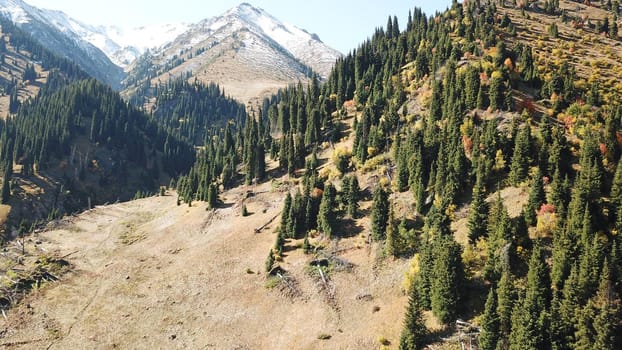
247 51
306 47
124 46
245 45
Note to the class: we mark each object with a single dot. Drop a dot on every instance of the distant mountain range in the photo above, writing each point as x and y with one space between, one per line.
248 51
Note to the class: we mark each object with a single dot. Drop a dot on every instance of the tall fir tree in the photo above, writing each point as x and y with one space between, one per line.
499 233
519 167
260 159
287 205
478 212
496 91
447 279
489 335
327 217
537 197
6 189
352 196
530 318
403 175
423 283
392 243
564 312
212 195
505 305
379 213
606 322
414 333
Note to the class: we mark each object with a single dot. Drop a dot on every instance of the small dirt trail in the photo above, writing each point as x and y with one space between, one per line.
94 252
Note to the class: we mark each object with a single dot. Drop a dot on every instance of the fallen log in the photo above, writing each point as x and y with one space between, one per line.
67 255
258 230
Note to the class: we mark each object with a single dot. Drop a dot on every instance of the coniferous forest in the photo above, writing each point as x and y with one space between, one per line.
452 111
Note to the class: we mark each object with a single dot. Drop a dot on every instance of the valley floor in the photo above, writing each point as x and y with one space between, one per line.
149 274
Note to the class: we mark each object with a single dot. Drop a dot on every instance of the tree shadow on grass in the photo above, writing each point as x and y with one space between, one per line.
439 334
361 213
348 228
223 205
475 294
289 246
276 173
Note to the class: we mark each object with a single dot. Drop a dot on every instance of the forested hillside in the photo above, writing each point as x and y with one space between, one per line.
81 145
511 161
191 111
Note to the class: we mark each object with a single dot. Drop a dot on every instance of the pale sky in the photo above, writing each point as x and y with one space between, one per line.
340 24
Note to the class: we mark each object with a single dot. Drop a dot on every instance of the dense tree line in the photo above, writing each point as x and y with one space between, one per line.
550 272
571 303
192 110
45 128
319 207
237 146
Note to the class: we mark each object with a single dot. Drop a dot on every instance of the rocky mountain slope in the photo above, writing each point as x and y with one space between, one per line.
246 50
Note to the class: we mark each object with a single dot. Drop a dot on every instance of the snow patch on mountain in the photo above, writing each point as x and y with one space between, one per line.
305 47
14 11
124 46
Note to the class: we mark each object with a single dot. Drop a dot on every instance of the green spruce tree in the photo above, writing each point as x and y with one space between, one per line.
327 218
379 213
414 333
530 318
537 197
447 282
478 212
519 167
392 243
6 188
489 335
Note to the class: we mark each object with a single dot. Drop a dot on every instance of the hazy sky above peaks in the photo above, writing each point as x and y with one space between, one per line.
340 24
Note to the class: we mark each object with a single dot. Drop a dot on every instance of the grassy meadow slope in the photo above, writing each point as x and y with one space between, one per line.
151 274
